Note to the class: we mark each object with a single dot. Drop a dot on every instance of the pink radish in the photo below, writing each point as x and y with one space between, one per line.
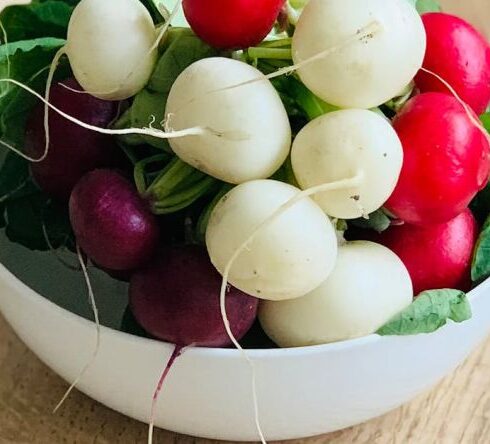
457 52
446 160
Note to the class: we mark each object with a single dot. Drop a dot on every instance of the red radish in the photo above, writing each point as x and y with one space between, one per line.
458 53
112 223
436 256
230 24
73 150
176 299
446 160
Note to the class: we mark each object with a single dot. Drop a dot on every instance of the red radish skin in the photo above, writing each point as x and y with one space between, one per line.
232 24
176 299
458 53
436 256
73 150
112 223
446 160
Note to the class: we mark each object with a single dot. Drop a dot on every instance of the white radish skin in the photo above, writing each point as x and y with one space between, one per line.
335 145
368 286
110 46
288 257
252 118
368 72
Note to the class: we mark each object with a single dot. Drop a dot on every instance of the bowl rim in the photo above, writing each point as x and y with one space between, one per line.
18 285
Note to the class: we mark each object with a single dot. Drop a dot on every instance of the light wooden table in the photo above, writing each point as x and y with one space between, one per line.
456 412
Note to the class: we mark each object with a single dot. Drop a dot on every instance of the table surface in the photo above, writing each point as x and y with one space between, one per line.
457 411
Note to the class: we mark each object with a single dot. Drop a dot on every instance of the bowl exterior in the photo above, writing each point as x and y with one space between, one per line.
302 392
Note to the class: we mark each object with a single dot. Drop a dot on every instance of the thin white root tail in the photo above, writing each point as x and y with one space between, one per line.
165 27
352 182
467 108
97 328
49 81
365 33
196 131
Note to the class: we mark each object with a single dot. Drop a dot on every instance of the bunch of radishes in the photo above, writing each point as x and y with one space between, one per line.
273 241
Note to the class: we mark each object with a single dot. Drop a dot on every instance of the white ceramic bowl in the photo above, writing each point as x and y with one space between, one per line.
302 392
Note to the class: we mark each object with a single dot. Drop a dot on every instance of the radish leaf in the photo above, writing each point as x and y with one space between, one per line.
430 311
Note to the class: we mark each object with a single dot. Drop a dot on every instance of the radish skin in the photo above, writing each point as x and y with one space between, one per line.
368 286
333 146
254 131
110 46
366 73
288 257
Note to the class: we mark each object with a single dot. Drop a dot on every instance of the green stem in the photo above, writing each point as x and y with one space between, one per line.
202 223
270 53
139 171
172 175
281 43
189 194
311 105
182 200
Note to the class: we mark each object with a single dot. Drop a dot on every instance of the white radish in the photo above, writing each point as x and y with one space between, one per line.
111 47
367 72
335 146
254 132
289 257
368 286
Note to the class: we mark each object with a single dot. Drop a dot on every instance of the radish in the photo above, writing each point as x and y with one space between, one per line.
289 256
368 286
367 72
457 52
112 223
111 47
74 150
436 256
232 143
176 299
446 160
245 136
168 304
230 24
336 145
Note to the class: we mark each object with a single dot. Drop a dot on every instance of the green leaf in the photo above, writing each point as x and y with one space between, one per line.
480 268
29 61
182 48
430 311
377 221
40 19
424 6
485 118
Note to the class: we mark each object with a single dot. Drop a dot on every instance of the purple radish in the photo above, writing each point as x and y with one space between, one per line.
176 299
73 150
113 225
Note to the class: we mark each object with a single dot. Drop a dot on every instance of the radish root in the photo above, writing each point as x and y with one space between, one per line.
341 184
195 131
363 34
178 350
471 115
97 328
